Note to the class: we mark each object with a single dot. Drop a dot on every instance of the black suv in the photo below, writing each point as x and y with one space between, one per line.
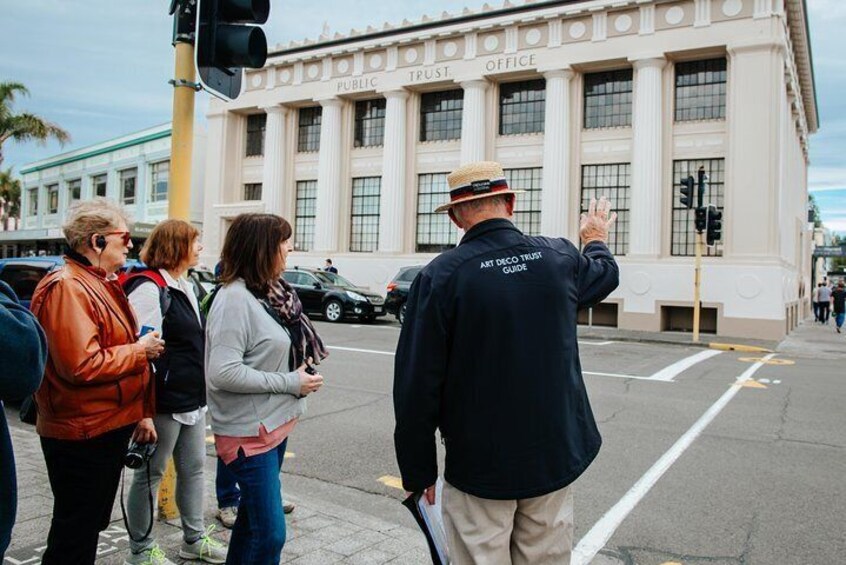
398 291
333 296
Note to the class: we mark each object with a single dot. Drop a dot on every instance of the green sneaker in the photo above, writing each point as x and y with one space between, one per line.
151 556
205 549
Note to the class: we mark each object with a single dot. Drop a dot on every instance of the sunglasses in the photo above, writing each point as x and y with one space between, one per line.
124 236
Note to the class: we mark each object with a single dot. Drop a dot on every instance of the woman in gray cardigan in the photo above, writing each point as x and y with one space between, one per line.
259 349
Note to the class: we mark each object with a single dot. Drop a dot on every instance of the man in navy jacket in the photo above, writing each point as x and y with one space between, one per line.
23 352
489 356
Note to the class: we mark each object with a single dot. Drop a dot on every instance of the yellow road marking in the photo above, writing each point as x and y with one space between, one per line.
766 361
391 481
753 384
738 347
671 563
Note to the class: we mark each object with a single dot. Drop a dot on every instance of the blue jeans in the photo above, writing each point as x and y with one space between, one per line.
838 319
226 486
259 532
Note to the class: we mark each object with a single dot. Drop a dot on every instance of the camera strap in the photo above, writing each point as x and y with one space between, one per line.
123 508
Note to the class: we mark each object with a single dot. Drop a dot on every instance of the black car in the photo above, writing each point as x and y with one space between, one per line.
333 296
398 291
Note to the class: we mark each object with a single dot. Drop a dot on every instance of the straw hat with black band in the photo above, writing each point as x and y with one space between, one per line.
473 181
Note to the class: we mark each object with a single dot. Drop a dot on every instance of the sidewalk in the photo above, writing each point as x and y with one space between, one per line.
815 340
331 524
669 338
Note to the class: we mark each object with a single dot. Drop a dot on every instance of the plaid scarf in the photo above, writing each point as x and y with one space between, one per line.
305 342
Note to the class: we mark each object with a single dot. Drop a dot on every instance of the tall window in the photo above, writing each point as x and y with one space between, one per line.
159 175
306 210
364 234
308 133
435 232
608 99
52 198
527 210
521 107
683 241
100 183
440 115
127 185
255 134
33 201
612 181
370 122
252 191
701 90
74 190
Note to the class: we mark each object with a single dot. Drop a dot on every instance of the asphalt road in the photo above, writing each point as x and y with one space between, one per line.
694 467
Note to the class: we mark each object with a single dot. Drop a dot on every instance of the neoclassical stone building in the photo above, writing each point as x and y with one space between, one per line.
351 137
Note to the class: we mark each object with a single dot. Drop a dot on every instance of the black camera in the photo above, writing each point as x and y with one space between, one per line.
138 454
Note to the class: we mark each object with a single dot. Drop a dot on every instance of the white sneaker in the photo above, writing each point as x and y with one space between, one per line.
227 516
151 556
205 549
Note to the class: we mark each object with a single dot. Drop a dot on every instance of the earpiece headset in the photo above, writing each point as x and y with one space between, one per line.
100 242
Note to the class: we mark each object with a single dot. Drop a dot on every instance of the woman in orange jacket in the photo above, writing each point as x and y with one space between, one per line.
97 392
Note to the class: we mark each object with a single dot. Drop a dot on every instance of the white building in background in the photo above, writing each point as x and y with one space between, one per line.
351 138
133 170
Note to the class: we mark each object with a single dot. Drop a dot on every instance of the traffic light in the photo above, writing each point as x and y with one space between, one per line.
701 219
701 192
715 225
229 39
687 192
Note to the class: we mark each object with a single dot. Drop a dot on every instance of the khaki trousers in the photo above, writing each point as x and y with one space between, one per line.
502 532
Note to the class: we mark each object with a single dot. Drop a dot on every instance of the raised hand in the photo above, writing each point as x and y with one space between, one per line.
594 225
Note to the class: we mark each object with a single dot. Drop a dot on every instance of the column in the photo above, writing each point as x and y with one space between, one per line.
647 157
555 219
329 177
473 121
275 157
392 196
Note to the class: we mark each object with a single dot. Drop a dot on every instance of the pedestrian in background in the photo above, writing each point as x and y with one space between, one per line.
825 303
96 393
164 299
23 349
815 301
258 345
838 303
488 355
329 267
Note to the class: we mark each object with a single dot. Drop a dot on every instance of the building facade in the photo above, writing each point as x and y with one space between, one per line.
351 139
133 170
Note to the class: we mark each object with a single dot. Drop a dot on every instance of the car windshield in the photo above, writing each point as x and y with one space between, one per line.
333 279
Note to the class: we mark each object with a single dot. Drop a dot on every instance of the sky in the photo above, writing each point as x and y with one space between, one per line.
99 68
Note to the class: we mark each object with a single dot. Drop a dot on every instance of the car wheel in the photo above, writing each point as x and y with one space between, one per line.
401 314
333 311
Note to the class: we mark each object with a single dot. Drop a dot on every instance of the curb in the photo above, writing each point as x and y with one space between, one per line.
739 347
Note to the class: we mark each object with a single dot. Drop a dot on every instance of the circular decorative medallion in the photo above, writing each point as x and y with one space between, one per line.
577 30
533 37
732 7
410 55
623 23
375 61
256 80
748 286
674 15
285 75
640 283
343 66
491 43
313 71
450 49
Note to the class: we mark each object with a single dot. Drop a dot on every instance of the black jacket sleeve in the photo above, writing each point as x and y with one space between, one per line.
598 274
419 371
23 348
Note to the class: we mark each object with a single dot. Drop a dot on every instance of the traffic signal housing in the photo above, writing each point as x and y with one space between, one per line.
715 225
701 219
228 40
687 192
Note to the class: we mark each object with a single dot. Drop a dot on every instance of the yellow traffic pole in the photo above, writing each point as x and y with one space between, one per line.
697 282
184 87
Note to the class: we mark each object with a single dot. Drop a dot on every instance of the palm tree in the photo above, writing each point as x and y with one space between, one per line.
24 126
10 196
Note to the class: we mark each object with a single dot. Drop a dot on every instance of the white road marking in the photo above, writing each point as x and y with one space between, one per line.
602 531
373 351
670 372
618 376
